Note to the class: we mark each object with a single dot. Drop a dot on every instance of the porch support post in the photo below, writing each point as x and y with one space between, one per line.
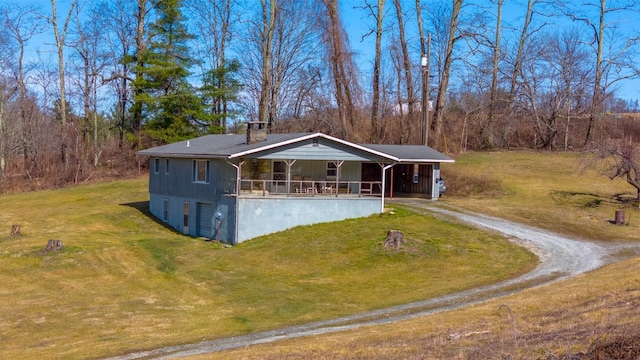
235 210
384 175
435 175
289 163
338 165
391 186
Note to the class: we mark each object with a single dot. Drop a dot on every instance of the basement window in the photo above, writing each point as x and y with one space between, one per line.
165 210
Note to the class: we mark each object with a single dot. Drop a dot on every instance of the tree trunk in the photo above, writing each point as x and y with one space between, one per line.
339 61
411 99
141 46
438 115
596 97
2 140
490 131
376 74
517 67
269 9
60 43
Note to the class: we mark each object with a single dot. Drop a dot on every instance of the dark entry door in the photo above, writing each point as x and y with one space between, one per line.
205 216
412 179
372 172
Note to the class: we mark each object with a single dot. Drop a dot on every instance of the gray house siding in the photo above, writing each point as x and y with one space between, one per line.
176 186
199 223
178 181
264 216
318 170
324 150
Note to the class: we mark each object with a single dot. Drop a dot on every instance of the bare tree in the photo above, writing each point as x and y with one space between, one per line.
406 65
452 38
516 71
554 75
269 15
377 12
4 47
618 61
5 94
87 44
342 67
60 37
119 31
619 159
213 19
295 65
23 22
490 131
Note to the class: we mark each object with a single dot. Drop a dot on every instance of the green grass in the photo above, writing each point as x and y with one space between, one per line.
549 190
125 282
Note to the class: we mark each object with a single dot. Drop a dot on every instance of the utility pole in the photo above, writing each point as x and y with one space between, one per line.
426 62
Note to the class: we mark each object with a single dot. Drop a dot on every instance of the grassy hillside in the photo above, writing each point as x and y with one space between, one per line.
124 282
549 190
595 313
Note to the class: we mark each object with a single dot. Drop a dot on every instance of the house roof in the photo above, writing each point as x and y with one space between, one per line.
410 153
235 146
222 146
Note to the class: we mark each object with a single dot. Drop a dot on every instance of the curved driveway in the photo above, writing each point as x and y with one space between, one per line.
560 258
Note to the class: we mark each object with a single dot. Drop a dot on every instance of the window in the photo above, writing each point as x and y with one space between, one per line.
185 217
279 170
156 165
165 210
166 166
332 170
201 171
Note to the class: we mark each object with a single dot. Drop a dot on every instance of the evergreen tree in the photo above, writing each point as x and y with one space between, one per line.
170 105
220 87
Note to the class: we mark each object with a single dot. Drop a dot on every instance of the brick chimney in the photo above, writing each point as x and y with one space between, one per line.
256 132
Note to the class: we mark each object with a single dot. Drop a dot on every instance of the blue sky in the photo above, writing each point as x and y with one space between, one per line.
358 24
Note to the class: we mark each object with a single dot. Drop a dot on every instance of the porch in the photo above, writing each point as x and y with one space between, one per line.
307 187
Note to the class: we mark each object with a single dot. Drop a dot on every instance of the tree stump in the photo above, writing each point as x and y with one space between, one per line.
54 245
15 230
394 240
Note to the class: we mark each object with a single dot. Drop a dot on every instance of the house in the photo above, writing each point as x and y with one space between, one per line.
233 188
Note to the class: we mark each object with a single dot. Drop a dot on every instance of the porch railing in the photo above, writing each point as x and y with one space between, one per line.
304 187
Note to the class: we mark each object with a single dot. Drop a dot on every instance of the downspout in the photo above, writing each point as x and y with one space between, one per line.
235 210
384 183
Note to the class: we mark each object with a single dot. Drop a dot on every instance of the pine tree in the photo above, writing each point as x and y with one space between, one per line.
220 87
170 104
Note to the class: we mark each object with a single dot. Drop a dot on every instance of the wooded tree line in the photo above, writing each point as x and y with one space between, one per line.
110 77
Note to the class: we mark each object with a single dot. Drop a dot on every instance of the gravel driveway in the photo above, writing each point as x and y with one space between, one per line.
560 258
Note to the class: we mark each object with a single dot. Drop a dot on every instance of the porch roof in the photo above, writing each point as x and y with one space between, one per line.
411 153
235 146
